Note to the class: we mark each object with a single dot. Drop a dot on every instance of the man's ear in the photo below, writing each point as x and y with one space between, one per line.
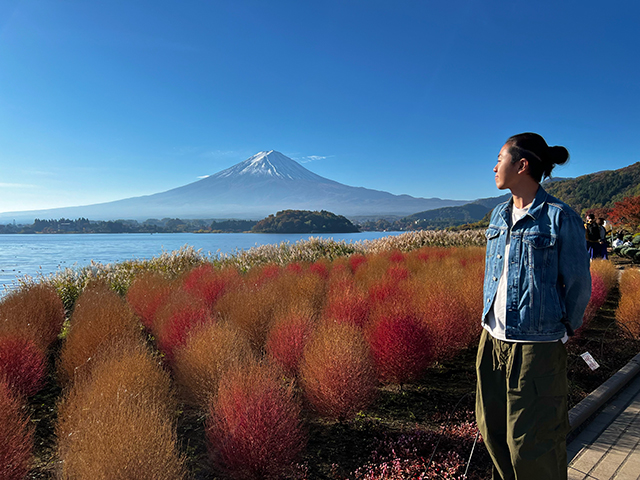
524 165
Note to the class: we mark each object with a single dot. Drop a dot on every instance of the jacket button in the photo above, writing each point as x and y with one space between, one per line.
495 279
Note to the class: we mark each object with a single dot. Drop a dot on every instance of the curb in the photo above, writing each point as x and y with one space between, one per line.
596 399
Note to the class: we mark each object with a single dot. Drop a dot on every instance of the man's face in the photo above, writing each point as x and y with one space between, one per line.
506 171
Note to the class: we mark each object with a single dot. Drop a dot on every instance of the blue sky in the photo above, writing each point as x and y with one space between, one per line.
103 100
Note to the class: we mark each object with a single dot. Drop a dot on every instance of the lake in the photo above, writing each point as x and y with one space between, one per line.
44 254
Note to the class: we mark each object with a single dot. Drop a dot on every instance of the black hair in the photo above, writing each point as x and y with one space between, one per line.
542 158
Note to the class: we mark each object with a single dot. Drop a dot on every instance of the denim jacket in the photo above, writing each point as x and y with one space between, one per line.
548 282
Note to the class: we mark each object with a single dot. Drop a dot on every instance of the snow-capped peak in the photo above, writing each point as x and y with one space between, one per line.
270 164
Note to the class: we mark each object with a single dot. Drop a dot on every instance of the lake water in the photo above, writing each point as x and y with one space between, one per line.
44 254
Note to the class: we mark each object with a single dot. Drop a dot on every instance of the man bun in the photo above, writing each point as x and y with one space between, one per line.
542 158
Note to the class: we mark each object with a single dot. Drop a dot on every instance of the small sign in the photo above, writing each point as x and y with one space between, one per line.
586 356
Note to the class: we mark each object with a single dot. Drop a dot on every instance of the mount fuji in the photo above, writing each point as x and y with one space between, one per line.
261 185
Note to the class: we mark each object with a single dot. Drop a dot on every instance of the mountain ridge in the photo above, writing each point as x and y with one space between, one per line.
263 184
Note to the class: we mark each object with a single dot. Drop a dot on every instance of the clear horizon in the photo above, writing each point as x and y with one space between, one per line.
105 101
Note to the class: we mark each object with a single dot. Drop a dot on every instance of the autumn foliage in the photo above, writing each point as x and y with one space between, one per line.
628 311
16 436
118 421
254 429
100 319
337 371
33 312
22 365
207 355
626 213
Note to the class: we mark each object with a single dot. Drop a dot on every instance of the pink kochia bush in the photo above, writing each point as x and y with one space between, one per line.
337 371
22 364
254 429
16 437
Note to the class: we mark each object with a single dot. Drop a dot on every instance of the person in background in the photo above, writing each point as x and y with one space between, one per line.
593 237
536 287
618 241
604 243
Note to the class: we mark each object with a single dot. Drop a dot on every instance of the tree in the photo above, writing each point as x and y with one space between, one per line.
626 213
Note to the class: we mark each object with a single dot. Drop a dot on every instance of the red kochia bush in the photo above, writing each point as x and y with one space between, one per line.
449 323
146 295
401 346
16 437
254 429
598 297
22 364
286 341
181 313
337 371
347 304
208 284
356 260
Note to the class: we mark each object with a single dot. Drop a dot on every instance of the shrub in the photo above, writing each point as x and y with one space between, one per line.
147 294
606 271
208 284
118 422
254 429
401 346
16 436
34 311
209 352
449 322
346 303
22 364
122 441
628 311
181 313
598 297
252 309
287 339
337 371
356 260
101 319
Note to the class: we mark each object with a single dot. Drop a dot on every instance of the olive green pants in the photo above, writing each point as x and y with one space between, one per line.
521 408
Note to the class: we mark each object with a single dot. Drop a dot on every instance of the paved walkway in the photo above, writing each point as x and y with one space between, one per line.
609 447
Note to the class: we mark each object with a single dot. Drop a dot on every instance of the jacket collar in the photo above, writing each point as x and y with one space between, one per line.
534 210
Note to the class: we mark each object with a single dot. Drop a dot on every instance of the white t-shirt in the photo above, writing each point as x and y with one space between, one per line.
497 317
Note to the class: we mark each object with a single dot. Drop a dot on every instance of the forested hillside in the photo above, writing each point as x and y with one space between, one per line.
303 221
597 190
